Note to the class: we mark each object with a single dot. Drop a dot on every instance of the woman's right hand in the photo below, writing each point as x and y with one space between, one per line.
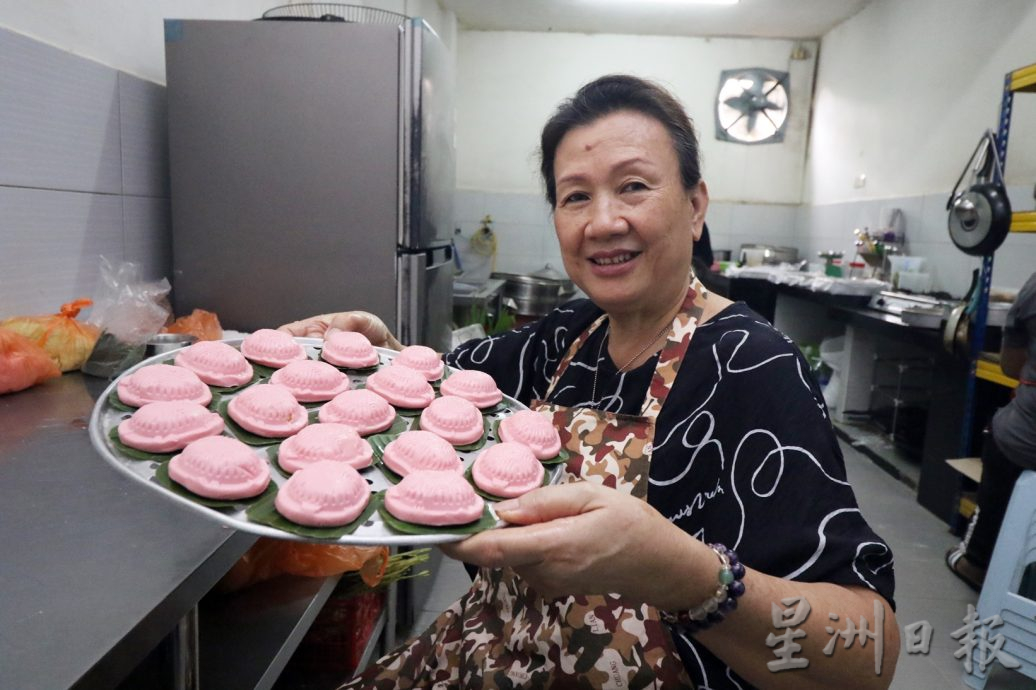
360 321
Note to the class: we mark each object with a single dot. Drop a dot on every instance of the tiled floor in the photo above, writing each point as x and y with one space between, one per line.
926 591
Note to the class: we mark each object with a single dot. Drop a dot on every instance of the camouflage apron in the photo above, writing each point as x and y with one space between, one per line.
502 634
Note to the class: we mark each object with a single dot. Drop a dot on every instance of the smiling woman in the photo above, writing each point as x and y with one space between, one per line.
710 433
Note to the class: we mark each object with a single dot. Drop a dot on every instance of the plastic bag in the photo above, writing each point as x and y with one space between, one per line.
203 325
67 341
129 311
269 558
23 363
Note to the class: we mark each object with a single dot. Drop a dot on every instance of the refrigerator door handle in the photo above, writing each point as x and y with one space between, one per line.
434 257
425 296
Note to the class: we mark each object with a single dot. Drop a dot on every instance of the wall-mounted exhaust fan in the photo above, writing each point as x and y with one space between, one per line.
752 105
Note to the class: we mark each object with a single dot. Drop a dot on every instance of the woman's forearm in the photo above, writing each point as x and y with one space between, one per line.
758 640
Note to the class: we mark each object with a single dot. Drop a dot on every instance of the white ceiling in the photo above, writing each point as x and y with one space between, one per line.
753 18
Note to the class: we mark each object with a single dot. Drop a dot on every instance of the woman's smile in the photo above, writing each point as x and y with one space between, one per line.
613 262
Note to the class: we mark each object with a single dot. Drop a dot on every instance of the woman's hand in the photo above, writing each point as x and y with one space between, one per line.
360 321
581 538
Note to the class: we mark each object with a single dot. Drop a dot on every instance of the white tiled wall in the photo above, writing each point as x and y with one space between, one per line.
525 230
83 174
523 227
526 242
831 226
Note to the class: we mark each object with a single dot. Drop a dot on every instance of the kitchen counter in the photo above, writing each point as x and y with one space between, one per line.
96 570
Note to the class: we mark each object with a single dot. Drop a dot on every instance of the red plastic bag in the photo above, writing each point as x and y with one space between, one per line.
23 363
269 558
203 325
67 341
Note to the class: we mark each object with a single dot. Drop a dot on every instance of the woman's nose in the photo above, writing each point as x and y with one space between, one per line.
606 218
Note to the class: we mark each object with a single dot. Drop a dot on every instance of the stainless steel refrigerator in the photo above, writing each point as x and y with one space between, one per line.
312 170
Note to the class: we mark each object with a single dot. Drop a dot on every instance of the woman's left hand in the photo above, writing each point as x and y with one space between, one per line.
581 538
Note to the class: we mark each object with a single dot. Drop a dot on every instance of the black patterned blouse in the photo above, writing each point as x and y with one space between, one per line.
744 452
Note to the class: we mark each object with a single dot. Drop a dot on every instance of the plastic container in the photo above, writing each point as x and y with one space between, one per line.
906 264
832 353
914 282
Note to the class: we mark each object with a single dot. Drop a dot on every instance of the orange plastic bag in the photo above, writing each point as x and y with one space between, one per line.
203 325
67 341
269 558
23 363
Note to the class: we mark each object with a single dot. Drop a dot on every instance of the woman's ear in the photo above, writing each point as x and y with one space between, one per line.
699 199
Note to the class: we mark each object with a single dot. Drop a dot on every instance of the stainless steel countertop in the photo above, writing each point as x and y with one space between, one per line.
94 569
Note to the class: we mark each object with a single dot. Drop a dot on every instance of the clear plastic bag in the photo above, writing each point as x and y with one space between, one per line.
128 310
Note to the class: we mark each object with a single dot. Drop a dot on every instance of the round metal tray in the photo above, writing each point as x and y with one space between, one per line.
373 532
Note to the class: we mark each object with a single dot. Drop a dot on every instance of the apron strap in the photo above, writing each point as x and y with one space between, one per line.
571 353
669 360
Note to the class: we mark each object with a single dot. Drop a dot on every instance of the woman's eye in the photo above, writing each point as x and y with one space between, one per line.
574 197
634 186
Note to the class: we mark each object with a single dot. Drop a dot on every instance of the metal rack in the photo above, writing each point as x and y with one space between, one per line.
1019 80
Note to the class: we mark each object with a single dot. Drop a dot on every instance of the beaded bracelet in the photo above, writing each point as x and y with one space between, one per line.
715 608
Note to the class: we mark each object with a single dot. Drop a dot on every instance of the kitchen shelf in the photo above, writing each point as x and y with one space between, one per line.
969 467
991 371
1024 221
247 637
1023 79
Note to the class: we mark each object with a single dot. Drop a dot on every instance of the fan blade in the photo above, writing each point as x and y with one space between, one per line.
751 119
740 103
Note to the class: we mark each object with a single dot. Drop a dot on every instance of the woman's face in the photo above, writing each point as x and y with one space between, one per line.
624 221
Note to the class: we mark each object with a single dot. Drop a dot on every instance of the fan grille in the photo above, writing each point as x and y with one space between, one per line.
334 12
752 106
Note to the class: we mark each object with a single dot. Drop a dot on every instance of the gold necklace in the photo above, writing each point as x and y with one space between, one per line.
622 369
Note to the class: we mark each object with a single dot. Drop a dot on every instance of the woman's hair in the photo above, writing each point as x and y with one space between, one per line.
607 95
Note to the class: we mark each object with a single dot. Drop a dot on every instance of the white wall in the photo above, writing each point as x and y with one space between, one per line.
510 82
903 92
905 89
129 36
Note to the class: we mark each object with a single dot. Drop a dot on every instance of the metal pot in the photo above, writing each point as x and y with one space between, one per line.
535 294
755 254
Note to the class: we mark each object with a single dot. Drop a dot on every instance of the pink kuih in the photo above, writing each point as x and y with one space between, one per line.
319 442
349 349
534 430
268 410
421 359
162 382
162 427
216 363
311 381
438 499
272 348
220 467
476 386
366 412
507 470
413 451
401 386
455 419
324 494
